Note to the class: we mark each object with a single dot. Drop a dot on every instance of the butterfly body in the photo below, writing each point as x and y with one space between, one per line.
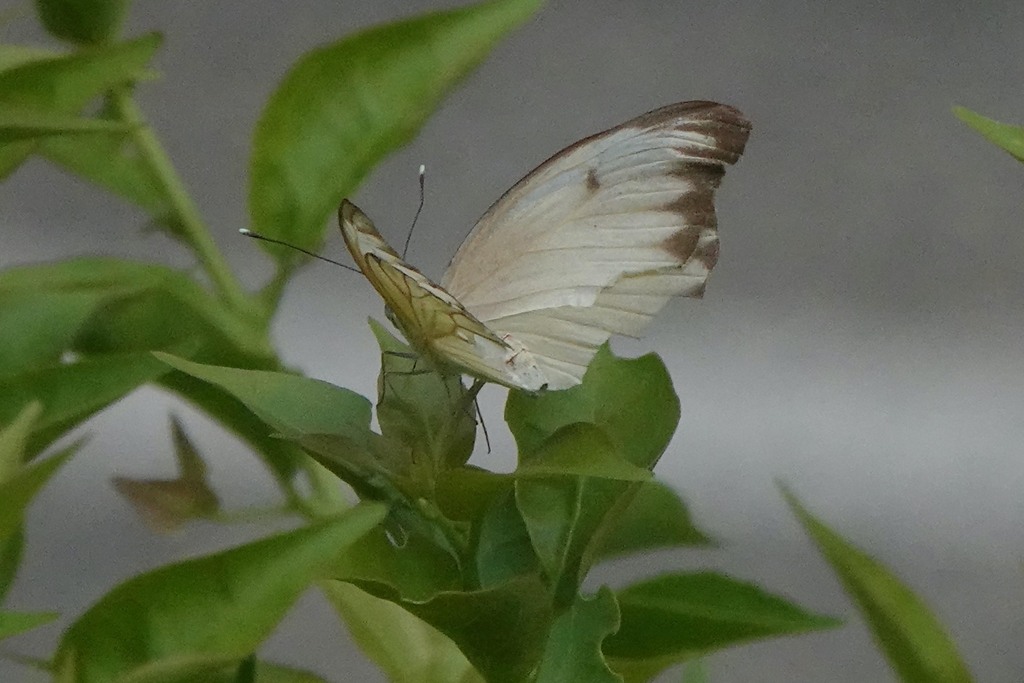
592 243
431 319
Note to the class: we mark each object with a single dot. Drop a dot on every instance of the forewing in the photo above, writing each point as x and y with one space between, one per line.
432 321
597 239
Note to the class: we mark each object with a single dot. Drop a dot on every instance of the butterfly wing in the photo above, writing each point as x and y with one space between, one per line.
433 321
599 237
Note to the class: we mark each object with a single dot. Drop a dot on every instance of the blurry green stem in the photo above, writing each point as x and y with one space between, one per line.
184 208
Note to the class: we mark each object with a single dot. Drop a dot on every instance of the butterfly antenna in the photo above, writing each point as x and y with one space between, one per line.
257 236
419 209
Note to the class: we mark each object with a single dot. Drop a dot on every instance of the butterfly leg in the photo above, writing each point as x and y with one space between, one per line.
472 393
483 425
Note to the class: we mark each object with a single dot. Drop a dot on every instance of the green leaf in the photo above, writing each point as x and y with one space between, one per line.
325 497
432 414
19 484
376 471
82 21
578 450
88 273
464 493
655 518
367 463
565 517
21 123
38 326
1010 138
567 512
267 672
407 649
503 546
916 644
573 651
11 549
345 106
183 670
292 404
190 668
17 492
163 317
696 672
175 312
12 56
281 457
135 307
13 623
581 450
501 630
66 84
674 617
637 410
73 392
217 608
14 440
112 161
417 567
631 400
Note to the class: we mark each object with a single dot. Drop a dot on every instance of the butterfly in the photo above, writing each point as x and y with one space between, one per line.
591 243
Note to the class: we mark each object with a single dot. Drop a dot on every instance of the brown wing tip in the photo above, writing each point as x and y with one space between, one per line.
726 124
347 210
695 110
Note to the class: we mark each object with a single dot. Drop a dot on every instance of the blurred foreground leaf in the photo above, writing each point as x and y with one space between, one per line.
71 393
916 644
292 404
65 84
20 481
501 630
82 21
407 649
573 651
345 106
18 123
675 617
114 162
655 518
13 623
199 615
1010 138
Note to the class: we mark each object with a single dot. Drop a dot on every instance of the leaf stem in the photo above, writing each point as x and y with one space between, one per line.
191 223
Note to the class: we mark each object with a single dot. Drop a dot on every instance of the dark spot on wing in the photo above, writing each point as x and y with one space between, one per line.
593 184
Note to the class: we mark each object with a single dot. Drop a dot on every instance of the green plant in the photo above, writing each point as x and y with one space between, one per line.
442 571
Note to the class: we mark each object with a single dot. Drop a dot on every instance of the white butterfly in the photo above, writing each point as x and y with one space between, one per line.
591 243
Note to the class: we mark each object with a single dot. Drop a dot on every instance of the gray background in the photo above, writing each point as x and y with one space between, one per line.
860 339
